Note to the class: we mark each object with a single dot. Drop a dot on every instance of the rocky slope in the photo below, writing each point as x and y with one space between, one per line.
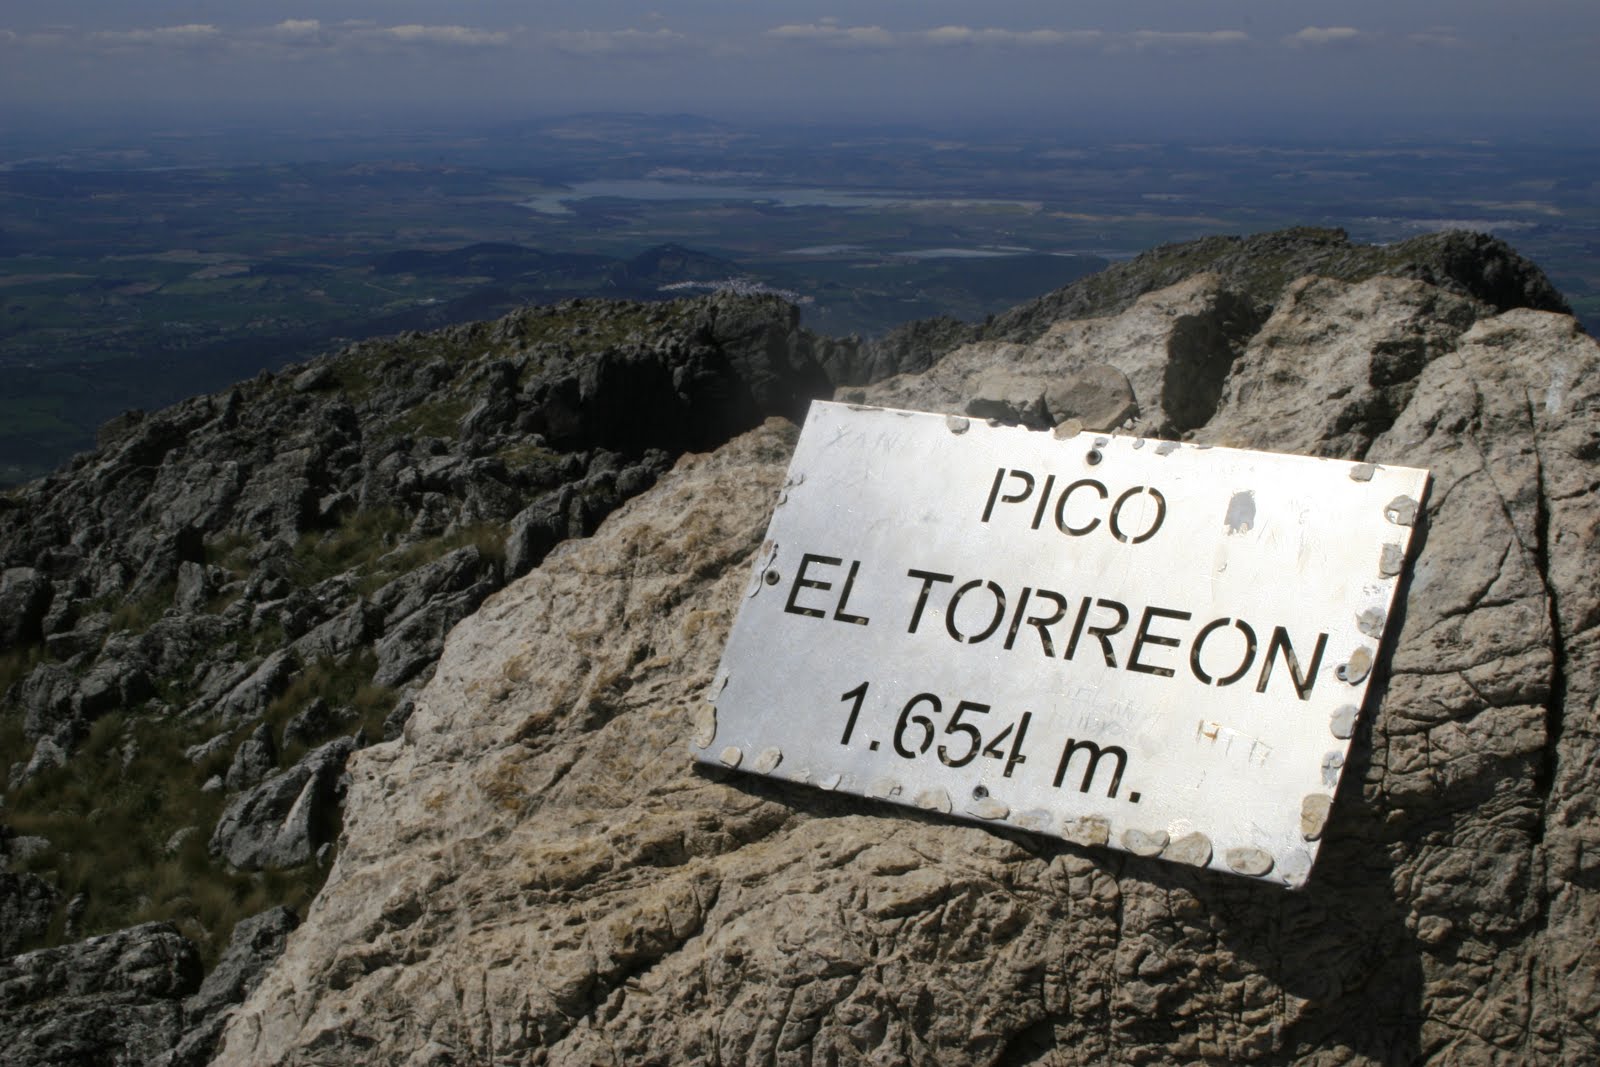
200 620
1256 269
535 873
254 587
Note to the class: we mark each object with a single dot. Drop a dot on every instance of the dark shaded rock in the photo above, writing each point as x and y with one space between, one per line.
251 696
283 821
24 598
208 749
395 722
907 349
255 943
745 358
26 904
194 587
47 754
115 1000
344 633
456 572
317 376
256 758
420 608
47 697
311 723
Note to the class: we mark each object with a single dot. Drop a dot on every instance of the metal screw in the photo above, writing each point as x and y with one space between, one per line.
1094 456
979 792
772 577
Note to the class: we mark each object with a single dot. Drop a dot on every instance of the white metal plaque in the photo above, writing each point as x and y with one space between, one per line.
1153 646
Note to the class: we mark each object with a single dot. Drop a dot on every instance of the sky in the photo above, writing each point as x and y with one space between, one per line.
1141 62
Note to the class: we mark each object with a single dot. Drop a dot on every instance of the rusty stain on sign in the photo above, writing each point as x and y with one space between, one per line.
1056 632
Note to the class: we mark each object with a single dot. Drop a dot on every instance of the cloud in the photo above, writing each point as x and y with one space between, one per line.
293 33
297 28
1321 36
189 35
829 33
1437 37
966 35
615 42
289 38
450 36
1186 40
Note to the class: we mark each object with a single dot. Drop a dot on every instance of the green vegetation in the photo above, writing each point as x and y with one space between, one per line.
526 454
437 418
488 537
140 614
17 663
129 827
359 539
343 683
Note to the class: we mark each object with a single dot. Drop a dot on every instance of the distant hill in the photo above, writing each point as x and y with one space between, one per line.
501 262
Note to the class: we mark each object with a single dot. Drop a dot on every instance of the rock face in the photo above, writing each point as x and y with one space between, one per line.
115 999
26 904
1254 268
534 873
256 942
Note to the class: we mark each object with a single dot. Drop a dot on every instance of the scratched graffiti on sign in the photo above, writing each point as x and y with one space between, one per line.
1150 646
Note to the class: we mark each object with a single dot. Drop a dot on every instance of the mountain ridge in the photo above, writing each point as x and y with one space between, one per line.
236 583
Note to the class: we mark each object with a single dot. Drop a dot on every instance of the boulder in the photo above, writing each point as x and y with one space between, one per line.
24 598
250 696
312 722
284 820
256 758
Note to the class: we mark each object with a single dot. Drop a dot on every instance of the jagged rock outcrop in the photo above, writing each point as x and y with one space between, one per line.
134 997
1255 268
26 904
256 942
535 873
115 999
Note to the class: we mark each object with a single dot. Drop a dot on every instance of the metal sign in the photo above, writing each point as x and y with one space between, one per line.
1152 646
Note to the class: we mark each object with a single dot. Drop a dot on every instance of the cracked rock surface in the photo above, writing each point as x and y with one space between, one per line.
533 872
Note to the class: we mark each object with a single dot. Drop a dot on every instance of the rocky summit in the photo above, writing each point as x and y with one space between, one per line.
412 638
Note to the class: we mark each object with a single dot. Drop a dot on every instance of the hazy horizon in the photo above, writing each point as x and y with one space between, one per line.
1207 68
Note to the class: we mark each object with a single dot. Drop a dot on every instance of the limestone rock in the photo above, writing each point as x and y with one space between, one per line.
284 820
534 872
1170 354
256 942
251 695
254 760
